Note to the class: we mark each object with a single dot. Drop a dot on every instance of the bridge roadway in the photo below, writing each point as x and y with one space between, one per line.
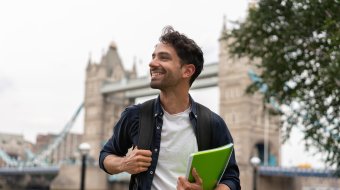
139 87
38 178
48 170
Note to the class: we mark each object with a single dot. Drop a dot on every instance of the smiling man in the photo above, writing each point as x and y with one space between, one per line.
176 62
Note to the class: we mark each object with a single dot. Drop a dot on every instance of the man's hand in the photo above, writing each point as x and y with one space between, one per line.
184 184
222 187
137 161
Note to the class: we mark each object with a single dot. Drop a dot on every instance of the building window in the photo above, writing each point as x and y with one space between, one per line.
260 151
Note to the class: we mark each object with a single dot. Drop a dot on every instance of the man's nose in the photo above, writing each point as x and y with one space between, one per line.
154 63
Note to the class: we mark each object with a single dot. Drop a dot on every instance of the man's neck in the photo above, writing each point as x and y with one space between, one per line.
175 102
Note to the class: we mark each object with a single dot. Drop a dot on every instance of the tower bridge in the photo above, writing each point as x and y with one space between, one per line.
110 88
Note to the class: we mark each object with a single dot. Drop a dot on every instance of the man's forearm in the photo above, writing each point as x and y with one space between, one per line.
113 164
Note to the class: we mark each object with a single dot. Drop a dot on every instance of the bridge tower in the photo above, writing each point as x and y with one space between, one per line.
103 110
254 130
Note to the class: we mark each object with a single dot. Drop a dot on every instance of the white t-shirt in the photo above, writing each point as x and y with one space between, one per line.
178 141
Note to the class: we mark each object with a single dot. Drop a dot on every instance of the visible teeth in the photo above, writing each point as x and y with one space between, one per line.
154 74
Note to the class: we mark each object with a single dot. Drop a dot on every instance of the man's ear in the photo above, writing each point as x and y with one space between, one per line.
189 70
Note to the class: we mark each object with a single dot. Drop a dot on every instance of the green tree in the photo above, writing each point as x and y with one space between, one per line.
298 43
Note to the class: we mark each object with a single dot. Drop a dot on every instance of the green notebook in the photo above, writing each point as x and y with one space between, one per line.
210 165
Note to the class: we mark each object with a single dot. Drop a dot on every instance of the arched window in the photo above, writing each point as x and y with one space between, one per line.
260 151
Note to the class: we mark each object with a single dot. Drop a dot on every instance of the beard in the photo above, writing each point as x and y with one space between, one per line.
156 85
163 84
164 80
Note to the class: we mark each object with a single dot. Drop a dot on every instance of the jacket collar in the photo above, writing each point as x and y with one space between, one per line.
158 111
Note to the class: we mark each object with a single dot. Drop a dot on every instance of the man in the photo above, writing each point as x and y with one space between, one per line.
176 63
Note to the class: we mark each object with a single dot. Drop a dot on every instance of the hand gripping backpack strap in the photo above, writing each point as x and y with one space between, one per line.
204 131
146 125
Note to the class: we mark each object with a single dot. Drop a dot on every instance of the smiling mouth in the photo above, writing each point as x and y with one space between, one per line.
156 74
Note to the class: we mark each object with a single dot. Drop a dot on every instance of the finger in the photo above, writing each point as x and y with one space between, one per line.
143 152
143 158
197 178
137 170
179 185
140 161
183 183
143 164
181 179
137 167
140 153
133 167
138 156
141 169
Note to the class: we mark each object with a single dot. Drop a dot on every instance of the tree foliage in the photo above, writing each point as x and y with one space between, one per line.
298 43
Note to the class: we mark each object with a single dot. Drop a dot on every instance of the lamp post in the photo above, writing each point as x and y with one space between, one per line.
255 162
84 149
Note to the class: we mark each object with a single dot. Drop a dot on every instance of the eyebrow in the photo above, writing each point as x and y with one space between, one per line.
161 54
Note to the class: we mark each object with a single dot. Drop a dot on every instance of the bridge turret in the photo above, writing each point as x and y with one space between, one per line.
89 62
100 108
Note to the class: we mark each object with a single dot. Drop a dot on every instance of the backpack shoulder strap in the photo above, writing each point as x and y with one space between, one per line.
146 125
204 131
147 120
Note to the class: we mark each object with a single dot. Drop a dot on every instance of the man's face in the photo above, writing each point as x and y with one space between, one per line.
165 67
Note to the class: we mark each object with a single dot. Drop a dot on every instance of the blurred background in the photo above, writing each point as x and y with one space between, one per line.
57 55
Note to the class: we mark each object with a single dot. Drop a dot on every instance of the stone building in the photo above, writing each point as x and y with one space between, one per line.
66 151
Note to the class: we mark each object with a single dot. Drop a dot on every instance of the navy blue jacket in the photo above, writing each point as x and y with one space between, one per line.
125 135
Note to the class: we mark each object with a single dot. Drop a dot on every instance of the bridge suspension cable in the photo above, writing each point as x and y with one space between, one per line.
40 158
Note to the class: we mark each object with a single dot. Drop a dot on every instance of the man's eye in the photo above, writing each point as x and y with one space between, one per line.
163 58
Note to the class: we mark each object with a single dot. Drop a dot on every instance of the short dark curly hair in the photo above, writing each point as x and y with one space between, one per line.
187 49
